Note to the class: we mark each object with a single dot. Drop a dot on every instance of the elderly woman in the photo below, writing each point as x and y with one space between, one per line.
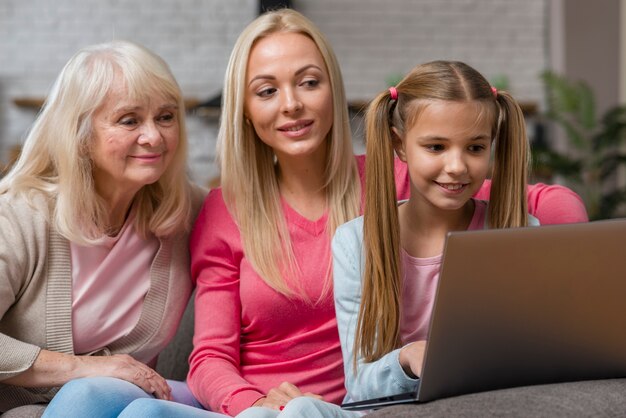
94 222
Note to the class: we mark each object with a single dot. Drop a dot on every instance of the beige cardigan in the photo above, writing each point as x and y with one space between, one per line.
36 296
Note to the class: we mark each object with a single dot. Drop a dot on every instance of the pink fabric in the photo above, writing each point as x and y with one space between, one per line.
551 204
248 339
421 276
110 281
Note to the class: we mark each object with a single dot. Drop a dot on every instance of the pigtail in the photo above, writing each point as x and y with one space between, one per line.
379 312
508 206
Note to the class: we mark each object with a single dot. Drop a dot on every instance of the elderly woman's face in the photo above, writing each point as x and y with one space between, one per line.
134 141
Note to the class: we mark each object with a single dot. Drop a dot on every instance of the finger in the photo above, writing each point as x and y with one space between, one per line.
159 386
290 389
277 396
150 382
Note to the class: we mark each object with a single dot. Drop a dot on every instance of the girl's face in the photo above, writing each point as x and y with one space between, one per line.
288 95
134 141
447 151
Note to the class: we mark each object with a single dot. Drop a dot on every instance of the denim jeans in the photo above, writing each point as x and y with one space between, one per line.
108 397
300 407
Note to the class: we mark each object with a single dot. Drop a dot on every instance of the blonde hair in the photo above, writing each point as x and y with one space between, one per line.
379 313
248 173
56 160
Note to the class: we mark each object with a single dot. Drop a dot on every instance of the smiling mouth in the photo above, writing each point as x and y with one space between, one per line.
296 128
452 186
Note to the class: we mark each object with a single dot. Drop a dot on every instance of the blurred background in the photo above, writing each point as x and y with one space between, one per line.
564 60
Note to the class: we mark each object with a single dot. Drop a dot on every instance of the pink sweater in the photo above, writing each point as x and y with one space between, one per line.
248 338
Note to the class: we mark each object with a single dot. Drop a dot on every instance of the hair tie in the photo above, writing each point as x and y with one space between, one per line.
394 93
494 91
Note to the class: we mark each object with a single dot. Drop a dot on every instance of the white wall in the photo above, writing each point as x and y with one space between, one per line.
373 39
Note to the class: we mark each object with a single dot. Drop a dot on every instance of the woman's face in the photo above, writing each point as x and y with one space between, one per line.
134 141
288 95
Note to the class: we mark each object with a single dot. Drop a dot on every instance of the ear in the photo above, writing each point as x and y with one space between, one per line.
398 144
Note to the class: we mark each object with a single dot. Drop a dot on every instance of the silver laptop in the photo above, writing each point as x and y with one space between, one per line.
525 306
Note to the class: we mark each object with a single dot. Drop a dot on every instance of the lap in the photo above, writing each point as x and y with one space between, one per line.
302 406
144 408
105 397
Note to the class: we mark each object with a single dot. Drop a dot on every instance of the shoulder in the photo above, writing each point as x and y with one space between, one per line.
554 204
37 206
350 233
214 222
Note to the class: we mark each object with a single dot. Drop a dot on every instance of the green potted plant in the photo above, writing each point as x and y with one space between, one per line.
595 146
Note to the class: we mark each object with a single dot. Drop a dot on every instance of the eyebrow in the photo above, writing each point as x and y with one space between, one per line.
441 138
271 77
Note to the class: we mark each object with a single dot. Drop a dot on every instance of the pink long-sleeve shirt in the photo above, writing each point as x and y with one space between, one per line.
248 338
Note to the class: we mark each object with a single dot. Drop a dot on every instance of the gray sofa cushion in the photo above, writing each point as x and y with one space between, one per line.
599 398
173 360
28 411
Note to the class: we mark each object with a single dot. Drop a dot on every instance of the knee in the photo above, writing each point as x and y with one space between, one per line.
144 407
81 389
302 406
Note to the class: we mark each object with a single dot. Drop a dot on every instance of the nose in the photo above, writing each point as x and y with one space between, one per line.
455 163
150 134
290 101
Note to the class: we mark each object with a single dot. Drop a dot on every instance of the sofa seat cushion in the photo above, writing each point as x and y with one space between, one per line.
27 411
595 398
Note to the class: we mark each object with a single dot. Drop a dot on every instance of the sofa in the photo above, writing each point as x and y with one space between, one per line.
599 398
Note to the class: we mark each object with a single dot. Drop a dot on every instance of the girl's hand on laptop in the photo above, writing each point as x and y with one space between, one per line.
412 358
278 397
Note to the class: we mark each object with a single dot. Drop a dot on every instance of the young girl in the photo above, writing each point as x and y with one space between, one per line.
445 121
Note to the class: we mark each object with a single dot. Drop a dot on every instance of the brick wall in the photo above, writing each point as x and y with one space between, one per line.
373 40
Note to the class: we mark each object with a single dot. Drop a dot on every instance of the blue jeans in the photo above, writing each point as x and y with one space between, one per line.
108 397
301 407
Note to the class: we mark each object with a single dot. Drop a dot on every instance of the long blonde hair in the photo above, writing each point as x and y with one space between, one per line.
55 158
379 313
248 173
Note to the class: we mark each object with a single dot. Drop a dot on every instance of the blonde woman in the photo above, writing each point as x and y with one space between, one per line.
94 222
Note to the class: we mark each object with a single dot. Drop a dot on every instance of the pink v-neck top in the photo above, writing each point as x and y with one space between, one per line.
248 338
420 278
109 283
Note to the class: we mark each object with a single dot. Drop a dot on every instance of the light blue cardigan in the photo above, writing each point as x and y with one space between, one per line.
383 377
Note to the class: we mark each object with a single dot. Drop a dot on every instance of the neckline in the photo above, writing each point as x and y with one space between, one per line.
313 227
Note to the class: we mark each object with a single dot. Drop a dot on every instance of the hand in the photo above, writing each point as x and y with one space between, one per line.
123 366
412 358
56 369
278 397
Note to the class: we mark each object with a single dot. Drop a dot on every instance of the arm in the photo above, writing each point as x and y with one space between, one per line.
555 204
52 369
384 376
214 373
550 204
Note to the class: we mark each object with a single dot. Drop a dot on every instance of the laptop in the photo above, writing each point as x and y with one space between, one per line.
524 306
